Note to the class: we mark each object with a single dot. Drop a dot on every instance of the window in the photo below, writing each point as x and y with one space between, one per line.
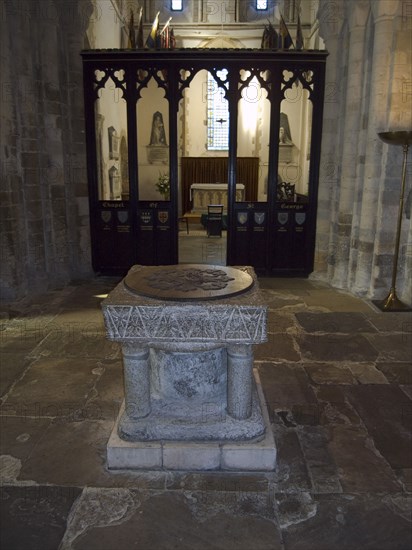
217 116
177 5
261 5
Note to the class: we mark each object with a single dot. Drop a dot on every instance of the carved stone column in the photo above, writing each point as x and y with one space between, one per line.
376 118
330 27
136 380
239 381
357 76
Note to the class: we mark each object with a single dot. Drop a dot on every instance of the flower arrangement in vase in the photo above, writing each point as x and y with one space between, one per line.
163 186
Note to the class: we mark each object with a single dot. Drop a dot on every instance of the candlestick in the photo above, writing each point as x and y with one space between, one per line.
392 302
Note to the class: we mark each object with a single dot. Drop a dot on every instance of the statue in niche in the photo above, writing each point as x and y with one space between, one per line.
285 137
158 135
114 184
113 143
285 140
157 150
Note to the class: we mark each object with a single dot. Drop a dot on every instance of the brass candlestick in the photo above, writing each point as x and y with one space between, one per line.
392 302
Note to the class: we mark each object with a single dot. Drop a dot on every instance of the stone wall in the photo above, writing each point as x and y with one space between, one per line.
368 90
44 205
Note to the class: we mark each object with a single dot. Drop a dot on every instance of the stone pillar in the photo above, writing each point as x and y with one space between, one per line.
367 78
396 115
136 380
384 13
330 28
357 15
239 381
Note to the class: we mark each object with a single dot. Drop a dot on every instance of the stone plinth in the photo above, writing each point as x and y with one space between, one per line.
188 367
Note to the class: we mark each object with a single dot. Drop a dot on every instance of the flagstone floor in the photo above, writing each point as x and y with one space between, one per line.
197 248
337 379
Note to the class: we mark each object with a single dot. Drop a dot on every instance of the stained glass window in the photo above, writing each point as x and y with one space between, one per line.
217 117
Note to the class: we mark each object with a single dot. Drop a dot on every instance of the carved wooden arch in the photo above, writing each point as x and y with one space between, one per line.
187 74
258 73
301 76
118 76
159 74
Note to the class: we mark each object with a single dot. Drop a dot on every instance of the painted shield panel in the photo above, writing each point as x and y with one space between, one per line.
259 218
283 217
146 217
122 216
106 216
242 217
300 218
163 216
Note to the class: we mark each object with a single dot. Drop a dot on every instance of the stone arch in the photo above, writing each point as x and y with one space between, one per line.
221 41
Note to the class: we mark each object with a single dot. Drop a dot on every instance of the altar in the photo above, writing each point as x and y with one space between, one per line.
203 194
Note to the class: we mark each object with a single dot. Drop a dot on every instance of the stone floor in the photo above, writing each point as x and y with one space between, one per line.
197 248
337 379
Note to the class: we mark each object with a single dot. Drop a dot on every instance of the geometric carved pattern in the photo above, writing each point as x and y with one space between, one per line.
235 324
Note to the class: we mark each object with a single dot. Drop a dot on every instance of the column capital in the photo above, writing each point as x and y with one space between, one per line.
383 10
132 349
357 13
240 349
